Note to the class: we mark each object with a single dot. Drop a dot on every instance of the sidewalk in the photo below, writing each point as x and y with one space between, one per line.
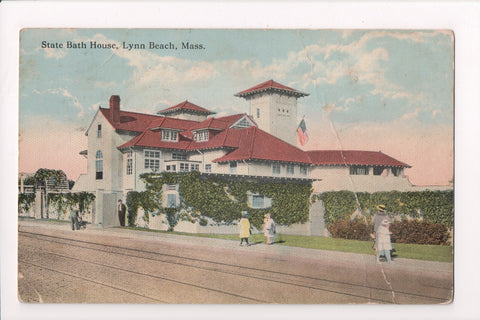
444 268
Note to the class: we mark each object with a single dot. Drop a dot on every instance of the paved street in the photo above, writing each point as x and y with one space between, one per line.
57 265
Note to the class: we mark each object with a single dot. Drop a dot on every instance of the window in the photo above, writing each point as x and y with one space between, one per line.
359 170
179 156
152 160
303 170
194 167
233 167
171 200
99 165
258 113
200 135
244 123
290 169
172 168
183 167
258 201
275 168
377 171
396 171
169 135
99 131
208 168
129 163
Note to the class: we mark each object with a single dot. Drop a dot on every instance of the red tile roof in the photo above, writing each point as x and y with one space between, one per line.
130 121
172 123
185 105
245 144
351 157
256 144
153 139
271 85
217 123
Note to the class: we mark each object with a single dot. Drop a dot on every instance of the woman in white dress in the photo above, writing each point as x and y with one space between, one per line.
383 242
269 229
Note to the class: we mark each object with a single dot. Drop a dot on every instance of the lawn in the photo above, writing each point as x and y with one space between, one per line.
402 250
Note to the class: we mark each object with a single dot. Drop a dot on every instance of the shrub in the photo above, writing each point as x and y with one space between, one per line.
419 232
356 229
172 218
203 222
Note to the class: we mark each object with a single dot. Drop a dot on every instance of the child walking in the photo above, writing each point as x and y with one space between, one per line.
244 228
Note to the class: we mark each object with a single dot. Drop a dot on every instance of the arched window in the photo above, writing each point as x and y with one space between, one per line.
99 165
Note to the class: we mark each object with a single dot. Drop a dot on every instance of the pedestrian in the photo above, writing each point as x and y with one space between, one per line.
383 241
74 219
121 213
269 229
381 233
244 228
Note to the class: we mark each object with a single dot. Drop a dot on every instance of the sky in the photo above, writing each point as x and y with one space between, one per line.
376 90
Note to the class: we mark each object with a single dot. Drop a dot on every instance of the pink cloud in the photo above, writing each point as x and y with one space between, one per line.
52 146
428 149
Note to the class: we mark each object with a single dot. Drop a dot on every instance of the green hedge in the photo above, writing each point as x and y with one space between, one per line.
25 202
223 200
432 206
67 201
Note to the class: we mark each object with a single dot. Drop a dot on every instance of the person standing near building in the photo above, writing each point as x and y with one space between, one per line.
383 242
269 229
121 213
381 233
244 228
74 219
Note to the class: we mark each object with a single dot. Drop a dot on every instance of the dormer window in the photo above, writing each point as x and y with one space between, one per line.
244 122
201 135
169 135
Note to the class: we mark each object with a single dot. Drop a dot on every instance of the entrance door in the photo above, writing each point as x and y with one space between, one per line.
109 208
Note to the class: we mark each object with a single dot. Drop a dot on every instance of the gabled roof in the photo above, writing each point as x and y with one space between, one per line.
256 144
153 139
353 157
220 123
186 107
130 121
271 85
171 123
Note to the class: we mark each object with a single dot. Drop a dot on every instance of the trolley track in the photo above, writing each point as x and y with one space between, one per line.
303 282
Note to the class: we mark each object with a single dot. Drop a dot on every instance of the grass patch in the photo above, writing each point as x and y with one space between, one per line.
402 250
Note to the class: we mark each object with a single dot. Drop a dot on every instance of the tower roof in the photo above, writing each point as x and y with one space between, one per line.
271 86
187 107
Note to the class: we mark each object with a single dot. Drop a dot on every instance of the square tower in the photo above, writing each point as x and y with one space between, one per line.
273 106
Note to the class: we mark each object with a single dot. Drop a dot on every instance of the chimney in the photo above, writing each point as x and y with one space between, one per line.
115 108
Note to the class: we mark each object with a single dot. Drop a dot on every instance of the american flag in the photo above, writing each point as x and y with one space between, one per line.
302 133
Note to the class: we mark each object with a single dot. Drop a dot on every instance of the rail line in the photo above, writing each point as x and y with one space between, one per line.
299 280
90 280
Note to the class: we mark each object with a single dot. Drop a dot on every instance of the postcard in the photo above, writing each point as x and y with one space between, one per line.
236 166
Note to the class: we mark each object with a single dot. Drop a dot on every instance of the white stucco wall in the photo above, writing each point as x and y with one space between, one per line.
278 115
113 164
261 101
336 178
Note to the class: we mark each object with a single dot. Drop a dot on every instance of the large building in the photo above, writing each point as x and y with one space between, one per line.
122 145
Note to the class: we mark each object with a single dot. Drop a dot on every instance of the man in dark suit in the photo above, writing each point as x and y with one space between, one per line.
121 213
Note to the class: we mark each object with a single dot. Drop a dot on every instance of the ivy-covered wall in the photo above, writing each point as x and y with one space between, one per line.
221 200
25 203
60 204
431 206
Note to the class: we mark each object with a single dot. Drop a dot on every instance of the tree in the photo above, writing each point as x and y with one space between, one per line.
42 176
